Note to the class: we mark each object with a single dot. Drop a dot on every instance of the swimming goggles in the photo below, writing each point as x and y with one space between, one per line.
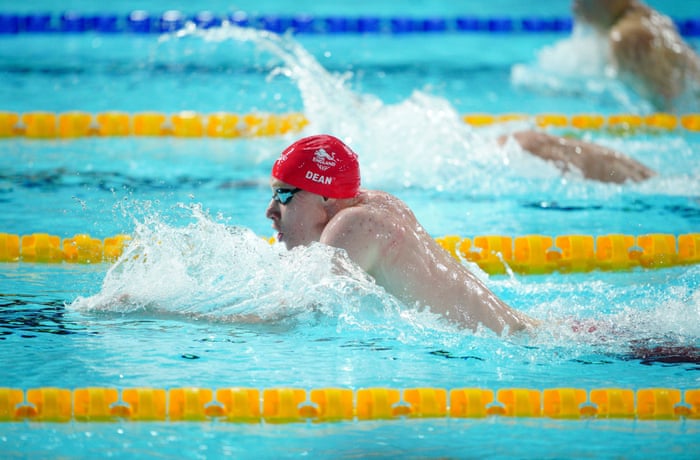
285 195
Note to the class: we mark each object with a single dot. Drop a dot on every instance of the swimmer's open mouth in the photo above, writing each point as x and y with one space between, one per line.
279 236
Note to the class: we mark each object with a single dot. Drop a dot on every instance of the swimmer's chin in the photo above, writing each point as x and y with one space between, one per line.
280 239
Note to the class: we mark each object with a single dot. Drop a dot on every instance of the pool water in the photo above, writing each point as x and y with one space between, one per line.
169 313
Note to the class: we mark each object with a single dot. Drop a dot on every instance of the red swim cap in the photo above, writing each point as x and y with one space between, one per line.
320 164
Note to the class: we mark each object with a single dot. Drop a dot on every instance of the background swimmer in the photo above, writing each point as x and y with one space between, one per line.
645 49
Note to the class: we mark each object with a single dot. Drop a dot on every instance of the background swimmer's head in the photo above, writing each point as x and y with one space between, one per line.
320 164
600 14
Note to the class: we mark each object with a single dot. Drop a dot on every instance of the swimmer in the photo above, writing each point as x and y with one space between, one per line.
645 48
316 197
593 161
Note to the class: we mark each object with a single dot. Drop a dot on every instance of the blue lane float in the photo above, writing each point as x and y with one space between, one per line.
144 22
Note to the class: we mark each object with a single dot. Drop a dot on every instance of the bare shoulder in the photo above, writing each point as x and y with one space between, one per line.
376 213
348 220
370 229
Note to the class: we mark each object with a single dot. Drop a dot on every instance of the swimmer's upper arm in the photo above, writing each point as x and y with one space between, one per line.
355 230
638 51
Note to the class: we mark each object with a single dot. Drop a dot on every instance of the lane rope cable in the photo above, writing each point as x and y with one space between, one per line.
190 124
144 22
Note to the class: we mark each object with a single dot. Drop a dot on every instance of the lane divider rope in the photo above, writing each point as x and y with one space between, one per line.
495 254
143 22
48 125
284 405
190 124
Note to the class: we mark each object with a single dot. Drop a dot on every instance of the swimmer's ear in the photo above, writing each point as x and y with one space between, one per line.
325 198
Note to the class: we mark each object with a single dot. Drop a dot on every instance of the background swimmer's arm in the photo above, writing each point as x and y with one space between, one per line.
654 55
595 161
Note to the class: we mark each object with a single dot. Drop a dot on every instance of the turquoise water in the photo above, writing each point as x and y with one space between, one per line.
497 438
196 211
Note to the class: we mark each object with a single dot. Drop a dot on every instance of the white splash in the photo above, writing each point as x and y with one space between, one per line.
616 312
578 65
213 271
421 140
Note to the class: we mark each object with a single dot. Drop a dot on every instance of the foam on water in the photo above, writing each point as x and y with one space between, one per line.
214 272
581 65
578 65
612 312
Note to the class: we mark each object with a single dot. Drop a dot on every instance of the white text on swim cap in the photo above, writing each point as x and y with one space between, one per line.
323 159
327 180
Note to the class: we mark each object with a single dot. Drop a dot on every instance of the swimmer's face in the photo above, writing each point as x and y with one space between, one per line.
599 13
299 221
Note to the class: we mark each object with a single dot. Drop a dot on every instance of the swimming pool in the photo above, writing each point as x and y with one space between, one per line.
163 316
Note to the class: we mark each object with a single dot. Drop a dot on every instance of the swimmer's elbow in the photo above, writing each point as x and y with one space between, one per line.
533 141
525 324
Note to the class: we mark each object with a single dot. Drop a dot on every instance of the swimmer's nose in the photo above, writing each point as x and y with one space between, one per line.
273 210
